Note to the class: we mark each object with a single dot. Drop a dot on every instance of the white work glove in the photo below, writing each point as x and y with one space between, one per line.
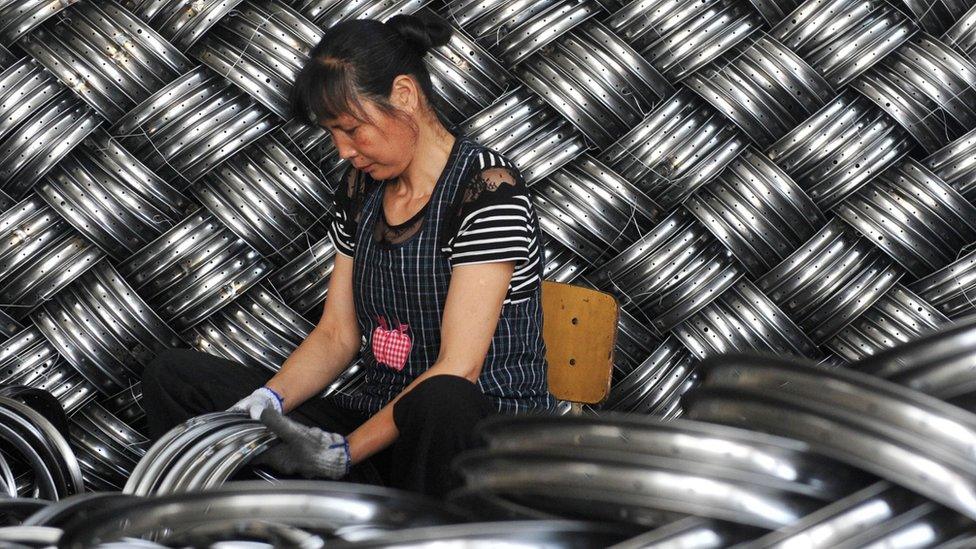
307 450
254 403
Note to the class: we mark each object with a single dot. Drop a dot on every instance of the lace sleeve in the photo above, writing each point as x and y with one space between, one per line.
493 221
348 203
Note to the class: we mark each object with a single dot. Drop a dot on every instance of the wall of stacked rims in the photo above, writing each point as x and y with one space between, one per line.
781 195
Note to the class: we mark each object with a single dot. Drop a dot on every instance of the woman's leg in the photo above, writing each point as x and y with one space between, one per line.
436 422
182 383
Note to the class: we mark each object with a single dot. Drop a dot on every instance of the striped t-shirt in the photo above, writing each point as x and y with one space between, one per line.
492 220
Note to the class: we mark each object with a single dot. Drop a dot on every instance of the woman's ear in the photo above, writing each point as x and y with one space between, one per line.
405 93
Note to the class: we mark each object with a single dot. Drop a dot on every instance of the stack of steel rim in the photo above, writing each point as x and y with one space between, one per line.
893 432
796 178
33 438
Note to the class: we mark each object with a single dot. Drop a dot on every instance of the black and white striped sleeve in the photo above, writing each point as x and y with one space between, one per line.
494 220
342 229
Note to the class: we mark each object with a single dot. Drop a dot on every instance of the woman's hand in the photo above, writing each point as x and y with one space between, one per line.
254 403
310 451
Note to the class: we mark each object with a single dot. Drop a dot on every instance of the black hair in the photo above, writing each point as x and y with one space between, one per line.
359 58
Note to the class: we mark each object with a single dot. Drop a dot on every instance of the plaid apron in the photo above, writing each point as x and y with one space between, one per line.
400 291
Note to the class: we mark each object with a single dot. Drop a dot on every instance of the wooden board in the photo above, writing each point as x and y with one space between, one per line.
580 331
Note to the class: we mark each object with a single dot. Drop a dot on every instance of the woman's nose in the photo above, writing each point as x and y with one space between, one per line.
344 147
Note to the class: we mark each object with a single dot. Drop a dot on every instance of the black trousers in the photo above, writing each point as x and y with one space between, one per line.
435 420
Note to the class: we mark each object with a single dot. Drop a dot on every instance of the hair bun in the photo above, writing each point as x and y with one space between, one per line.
422 34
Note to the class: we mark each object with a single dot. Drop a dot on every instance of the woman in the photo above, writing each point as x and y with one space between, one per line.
439 264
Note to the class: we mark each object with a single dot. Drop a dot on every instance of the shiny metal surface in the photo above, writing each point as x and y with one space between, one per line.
694 442
126 404
757 211
312 144
513 30
670 273
182 22
935 15
487 535
528 131
192 124
914 216
103 329
773 11
725 168
740 319
110 197
961 35
840 148
902 435
260 47
326 13
75 509
925 525
28 358
927 87
938 363
951 289
256 330
107 448
592 210
71 389
561 480
830 280
136 62
343 510
842 520
654 384
173 447
635 341
270 198
898 317
596 81
55 460
841 39
527 31
465 75
40 121
9 483
18 17
676 149
763 87
193 269
303 282
690 533
679 37
954 163
41 255
562 265
29 536
214 458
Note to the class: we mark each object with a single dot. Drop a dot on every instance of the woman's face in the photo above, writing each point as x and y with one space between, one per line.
383 148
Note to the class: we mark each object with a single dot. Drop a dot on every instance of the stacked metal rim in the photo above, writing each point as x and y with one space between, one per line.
791 177
887 440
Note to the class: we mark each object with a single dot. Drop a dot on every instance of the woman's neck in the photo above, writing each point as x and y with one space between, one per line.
434 144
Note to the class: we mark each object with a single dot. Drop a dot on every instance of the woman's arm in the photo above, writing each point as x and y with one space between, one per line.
471 310
328 349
